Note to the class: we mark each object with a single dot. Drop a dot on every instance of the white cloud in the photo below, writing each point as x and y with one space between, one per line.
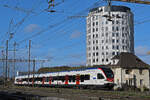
141 50
31 28
75 34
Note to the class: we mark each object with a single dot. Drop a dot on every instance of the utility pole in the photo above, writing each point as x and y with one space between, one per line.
33 71
6 60
14 69
29 60
3 67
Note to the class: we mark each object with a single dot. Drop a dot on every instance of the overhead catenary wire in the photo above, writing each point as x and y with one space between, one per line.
52 26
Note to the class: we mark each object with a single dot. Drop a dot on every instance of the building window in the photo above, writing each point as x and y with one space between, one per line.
113 34
102 47
106 47
122 40
93 54
96 23
113 22
97 41
113 53
93 60
96 53
141 82
102 53
117 47
89 54
106 34
93 48
97 60
96 17
113 28
106 41
93 23
93 42
113 47
96 47
89 48
106 60
117 41
106 53
96 35
102 41
117 28
122 34
117 21
122 22
93 18
102 60
93 35
117 34
113 40
117 53
96 29
123 28
123 47
127 71
89 37
93 29
106 22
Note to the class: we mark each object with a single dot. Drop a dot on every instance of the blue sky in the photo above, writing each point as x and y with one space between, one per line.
56 37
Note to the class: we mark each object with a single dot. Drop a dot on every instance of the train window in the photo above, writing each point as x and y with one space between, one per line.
82 78
100 76
73 78
39 79
108 72
63 78
54 78
70 78
87 77
30 79
47 79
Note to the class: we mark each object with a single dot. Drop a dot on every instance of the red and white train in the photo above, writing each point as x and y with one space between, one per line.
93 77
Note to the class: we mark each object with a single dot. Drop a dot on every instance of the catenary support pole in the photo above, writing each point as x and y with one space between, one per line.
29 60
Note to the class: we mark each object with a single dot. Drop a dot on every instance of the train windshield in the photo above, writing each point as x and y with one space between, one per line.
108 72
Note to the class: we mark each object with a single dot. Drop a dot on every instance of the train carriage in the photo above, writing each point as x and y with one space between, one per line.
97 77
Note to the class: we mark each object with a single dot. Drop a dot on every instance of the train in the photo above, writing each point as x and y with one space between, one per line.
92 77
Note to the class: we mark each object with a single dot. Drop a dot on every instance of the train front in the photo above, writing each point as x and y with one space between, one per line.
109 78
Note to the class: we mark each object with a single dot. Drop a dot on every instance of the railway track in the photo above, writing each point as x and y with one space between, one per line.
30 93
8 95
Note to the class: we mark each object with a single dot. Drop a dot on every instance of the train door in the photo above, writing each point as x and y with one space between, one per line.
77 79
32 81
43 80
100 78
66 79
50 80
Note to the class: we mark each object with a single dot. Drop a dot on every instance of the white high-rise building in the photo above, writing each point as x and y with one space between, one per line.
107 37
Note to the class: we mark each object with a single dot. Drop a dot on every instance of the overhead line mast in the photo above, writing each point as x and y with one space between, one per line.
135 1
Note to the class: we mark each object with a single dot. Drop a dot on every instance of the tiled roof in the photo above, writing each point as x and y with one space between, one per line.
129 60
